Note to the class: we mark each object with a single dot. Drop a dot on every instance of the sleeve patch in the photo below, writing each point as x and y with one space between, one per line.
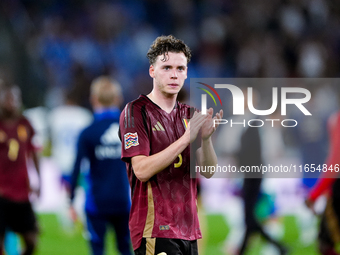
130 139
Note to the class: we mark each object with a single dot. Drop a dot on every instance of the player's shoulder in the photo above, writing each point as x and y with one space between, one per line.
69 113
24 121
136 108
140 102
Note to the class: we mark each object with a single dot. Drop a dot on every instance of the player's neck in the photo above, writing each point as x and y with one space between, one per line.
9 120
165 102
9 116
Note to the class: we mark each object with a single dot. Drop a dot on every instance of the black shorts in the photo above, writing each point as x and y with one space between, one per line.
167 246
18 217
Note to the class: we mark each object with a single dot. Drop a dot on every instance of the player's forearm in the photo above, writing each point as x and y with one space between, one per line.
207 156
35 159
74 178
147 166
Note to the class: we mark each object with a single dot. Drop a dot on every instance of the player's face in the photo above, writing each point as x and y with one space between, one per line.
169 75
10 101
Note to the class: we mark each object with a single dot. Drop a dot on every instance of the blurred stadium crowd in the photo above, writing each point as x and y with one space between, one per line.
51 47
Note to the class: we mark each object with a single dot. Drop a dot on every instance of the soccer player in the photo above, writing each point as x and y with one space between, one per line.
66 122
108 195
16 146
155 145
329 235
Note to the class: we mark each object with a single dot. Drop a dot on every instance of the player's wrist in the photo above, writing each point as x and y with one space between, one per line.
185 139
206 140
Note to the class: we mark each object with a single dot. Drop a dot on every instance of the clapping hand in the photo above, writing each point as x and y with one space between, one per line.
210 125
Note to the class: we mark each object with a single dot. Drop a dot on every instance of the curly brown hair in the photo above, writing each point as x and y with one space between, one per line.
164 44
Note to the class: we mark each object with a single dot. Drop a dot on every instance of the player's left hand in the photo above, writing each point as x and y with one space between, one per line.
209 127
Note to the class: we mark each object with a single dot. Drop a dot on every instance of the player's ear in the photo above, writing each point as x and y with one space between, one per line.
152 71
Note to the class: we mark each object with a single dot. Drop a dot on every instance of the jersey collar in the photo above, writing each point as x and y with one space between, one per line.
145 96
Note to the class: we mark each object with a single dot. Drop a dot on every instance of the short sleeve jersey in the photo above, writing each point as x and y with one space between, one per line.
164 206
15 144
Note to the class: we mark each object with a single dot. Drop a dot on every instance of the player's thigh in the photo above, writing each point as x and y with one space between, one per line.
96 226
120 224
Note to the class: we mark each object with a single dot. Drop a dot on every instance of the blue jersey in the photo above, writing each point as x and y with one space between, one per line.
108 190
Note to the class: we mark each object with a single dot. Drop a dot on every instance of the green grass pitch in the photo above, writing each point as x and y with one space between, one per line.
54 241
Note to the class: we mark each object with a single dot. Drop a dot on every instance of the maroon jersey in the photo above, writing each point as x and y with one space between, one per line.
164 206
15 144
325 183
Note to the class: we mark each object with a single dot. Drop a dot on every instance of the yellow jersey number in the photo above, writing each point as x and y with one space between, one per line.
180 161
13 149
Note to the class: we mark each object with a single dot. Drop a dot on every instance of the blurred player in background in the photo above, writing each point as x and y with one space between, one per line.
66 122
16 147
156 139
249 154
311 139
248 146
107 195
329 235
